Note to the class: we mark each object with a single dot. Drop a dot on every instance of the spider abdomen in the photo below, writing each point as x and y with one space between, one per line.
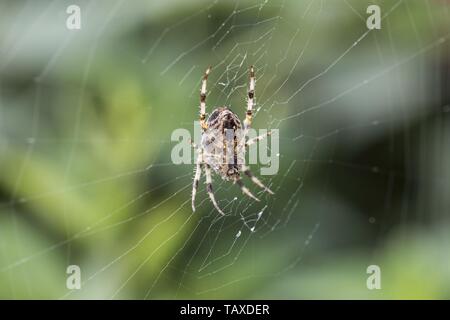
223 118
223 144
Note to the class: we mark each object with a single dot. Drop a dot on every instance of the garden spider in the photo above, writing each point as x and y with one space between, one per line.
215 134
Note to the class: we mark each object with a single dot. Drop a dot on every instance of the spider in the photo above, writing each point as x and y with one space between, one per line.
215 131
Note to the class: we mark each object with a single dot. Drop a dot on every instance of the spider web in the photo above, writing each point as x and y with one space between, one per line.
146 242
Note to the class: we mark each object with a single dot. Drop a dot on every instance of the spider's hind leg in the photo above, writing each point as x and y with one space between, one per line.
255 180
203 123
250 100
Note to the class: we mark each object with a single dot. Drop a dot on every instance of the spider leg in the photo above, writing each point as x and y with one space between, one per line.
209 188
197 176
244 188
195 146
255 180
258 138
250 100
203 100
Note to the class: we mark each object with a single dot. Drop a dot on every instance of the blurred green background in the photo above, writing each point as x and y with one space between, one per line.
86 178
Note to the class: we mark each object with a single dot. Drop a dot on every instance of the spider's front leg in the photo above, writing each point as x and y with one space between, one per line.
197 176
255 180
209 188
203 123
244 189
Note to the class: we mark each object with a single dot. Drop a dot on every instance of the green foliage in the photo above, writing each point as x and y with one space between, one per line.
86 176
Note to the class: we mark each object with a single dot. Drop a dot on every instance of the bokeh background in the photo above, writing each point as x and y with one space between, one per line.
86 177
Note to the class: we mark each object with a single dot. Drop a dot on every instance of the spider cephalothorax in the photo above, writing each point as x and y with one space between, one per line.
223 144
